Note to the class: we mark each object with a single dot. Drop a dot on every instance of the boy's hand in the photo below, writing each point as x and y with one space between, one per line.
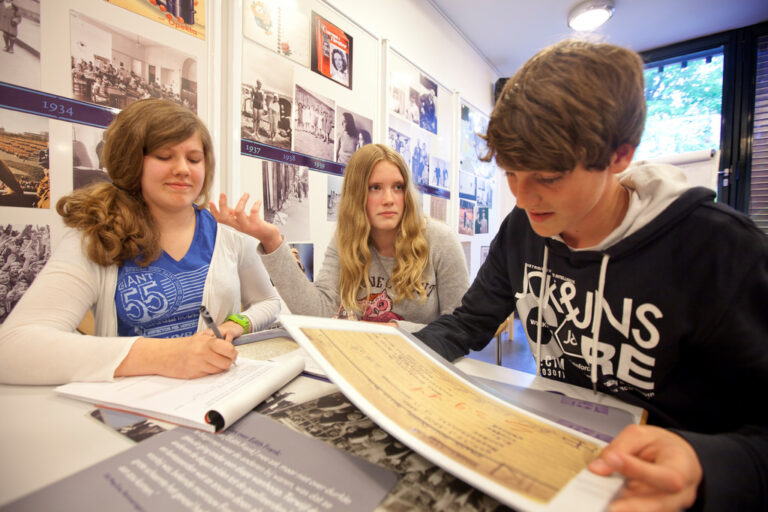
661 468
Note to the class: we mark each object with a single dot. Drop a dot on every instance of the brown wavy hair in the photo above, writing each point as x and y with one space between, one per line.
115 221
353 231
573 103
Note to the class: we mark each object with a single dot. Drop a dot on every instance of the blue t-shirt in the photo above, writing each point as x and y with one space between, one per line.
163 300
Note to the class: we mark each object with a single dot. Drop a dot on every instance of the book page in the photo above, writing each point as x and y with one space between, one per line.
188 402
517 457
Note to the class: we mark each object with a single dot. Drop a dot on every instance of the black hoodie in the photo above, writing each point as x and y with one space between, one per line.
683 329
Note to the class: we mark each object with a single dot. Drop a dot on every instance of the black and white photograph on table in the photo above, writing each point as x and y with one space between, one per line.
314 124
24 250
353 131
438 172
113 67
305 257
266 102
280 26
467 186
423 486
20 29
335 184
466 217
87 167
286 199
24 160
420 150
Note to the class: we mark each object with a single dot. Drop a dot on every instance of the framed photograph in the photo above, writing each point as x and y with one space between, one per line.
353 131
20 59
286 199
481 221
24 163
314 124
114 67
331 51
466 217
266 101
335 184
87 167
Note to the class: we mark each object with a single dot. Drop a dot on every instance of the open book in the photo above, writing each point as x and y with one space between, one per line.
210 403
521 458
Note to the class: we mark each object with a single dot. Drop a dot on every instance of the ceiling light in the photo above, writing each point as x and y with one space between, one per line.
590 14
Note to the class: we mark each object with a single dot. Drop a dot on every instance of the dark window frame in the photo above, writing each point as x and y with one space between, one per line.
739 70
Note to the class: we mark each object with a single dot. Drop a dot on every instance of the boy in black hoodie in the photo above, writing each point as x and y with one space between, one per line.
628 281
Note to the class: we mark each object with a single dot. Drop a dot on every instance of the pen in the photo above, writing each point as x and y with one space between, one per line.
209 321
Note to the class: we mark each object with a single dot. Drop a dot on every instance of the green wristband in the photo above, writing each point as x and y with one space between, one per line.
242 321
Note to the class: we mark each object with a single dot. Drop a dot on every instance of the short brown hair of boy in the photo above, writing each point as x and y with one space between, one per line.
573 103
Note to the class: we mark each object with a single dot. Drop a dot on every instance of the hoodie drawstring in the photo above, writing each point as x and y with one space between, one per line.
542 304
598 315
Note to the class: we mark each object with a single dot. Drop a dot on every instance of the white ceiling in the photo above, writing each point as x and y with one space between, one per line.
507 32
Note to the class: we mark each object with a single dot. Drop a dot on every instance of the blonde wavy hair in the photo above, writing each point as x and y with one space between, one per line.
115 221
353 231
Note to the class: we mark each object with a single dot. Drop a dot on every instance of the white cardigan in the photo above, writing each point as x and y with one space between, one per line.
39 343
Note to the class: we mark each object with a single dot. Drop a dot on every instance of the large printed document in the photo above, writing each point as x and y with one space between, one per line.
210 403
516 456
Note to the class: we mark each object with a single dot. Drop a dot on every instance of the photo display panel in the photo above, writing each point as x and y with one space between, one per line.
98 57
308 101
419 125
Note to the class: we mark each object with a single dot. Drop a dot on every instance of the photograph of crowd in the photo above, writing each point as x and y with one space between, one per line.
466 217
314 124
353 131
334 195
281 26
438 174
333 419
87 167
20 29
24 249
331 52
266 97
113 67
24 167
286 199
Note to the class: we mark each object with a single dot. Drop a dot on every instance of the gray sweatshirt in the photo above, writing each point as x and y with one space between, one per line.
445 280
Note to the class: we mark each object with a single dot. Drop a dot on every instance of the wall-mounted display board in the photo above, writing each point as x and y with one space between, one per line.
308 99
478 208
97 57
419 127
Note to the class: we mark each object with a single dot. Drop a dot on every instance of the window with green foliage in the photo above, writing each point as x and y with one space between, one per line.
684 100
